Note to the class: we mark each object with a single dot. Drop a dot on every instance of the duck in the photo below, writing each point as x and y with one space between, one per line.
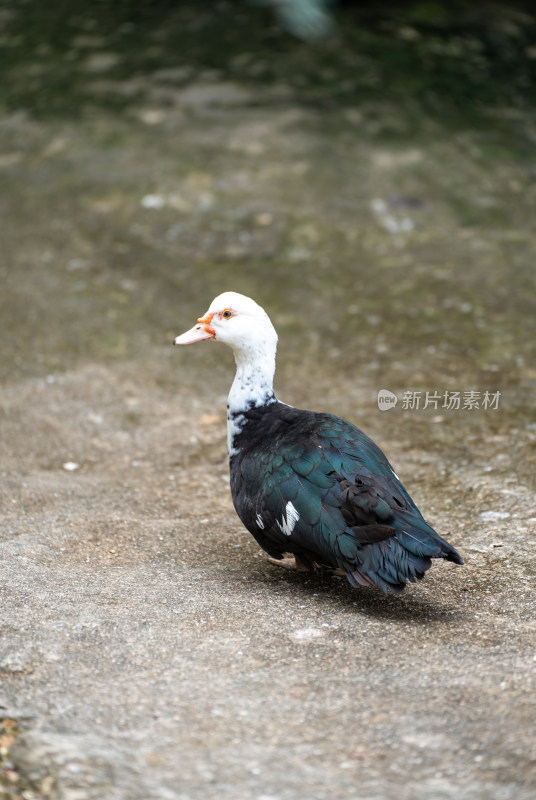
316 493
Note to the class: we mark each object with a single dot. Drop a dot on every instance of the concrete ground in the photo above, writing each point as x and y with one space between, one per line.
148 648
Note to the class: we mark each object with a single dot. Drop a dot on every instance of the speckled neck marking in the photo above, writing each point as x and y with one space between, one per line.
252 388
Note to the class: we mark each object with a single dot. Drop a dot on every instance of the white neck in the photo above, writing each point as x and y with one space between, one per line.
252 387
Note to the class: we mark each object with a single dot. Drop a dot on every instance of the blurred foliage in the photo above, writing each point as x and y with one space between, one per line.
456 55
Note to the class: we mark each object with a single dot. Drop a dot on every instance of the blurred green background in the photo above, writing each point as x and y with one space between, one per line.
373 188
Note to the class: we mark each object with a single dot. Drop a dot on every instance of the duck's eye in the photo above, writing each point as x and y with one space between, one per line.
227 314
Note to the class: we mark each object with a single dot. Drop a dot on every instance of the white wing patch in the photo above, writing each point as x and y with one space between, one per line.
260 523
289 520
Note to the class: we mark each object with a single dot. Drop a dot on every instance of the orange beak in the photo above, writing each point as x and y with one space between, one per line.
203 330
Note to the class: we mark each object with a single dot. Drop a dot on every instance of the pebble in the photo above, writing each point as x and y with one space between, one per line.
153 201
305 634
494 516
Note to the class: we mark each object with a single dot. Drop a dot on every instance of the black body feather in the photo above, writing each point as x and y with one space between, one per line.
314 485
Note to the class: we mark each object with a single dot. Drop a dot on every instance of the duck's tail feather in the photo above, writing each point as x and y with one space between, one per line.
402 557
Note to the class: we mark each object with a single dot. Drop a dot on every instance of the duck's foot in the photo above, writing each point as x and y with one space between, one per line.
289 563
340 573
294 562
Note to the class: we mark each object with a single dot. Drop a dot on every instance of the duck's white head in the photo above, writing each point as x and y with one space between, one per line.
239 322
245 326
